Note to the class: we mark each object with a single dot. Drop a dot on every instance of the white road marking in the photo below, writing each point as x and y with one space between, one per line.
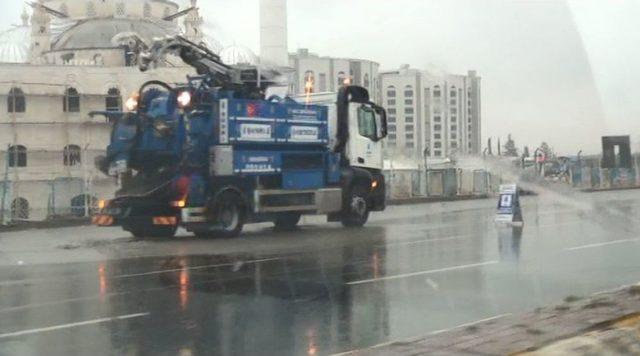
190 268
71 325
417 242
439 270
614 242
414 339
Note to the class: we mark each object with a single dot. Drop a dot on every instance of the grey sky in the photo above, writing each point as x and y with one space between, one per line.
564 72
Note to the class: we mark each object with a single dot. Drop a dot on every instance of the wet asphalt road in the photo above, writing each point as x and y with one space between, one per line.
319 290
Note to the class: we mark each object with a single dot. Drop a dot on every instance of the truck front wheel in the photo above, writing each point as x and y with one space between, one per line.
356 214
228 214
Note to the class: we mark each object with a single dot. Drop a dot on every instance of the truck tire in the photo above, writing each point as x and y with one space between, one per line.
228 214
356 214
287 221
153 231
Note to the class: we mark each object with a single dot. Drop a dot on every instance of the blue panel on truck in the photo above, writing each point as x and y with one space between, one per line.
303 179
259 122
256 162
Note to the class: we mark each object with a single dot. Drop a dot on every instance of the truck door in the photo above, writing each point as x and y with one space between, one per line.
367 128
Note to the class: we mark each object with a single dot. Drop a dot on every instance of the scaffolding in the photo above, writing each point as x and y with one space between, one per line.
51 175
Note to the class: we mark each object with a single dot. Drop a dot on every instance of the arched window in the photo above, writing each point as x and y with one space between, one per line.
113 102
147 10
91 9
436 92
72 155
309 81
20 209
391 91
16 101
408 91
82 204
341 78
71 100
366 80
17 156
98 59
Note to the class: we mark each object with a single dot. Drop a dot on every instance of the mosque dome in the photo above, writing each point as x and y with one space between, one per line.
233 55
100 33
14 44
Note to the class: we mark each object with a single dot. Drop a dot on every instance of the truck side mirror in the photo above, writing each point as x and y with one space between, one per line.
381 121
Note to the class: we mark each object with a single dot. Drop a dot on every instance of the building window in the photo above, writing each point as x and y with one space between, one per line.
453 92
392 128
454 111
454 136
391 92
391 119
409 144
408 102
391 102
437 153
408 128
454 145
392 137
454 128
391 111
408 91
71 100
341 79
309 81
437 145
120 9
17 156
322 82
437 119
408 119
16 101
147 10
454 119
437 127
113 102
453 102
91 9
436 92
72 155
409 136
408 111
366 80
20 209
437 136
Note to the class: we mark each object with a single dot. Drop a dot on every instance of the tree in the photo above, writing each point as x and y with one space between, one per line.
510 149
547 150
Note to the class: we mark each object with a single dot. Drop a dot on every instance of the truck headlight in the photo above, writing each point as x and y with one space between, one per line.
132 103
184 99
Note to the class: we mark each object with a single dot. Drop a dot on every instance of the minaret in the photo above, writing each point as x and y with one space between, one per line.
40 32
273 32
193 24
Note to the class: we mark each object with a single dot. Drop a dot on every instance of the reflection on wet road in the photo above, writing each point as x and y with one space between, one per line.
322 289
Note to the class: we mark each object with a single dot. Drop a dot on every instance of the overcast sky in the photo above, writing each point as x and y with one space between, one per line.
563 72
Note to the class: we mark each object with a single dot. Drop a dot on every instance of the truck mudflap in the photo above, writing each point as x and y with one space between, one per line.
378 195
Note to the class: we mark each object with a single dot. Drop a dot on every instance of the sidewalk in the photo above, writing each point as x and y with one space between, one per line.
606 323
421 200
47 224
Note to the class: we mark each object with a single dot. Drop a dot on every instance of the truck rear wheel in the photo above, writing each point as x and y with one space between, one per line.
356 214
287 221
